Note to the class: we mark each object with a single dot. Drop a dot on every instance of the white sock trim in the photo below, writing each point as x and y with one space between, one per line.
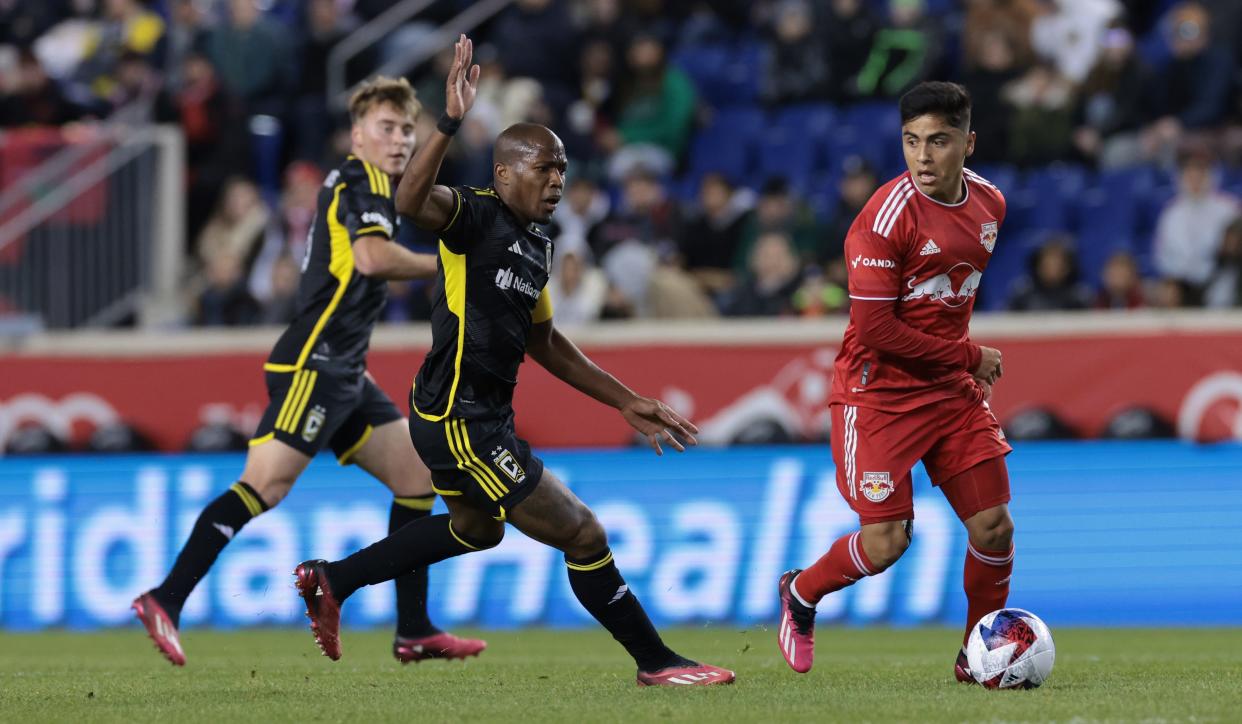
793 589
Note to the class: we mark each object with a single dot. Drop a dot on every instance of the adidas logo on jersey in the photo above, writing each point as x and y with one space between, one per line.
929 248
516 248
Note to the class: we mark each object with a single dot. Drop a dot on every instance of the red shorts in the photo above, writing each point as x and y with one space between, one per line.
875 450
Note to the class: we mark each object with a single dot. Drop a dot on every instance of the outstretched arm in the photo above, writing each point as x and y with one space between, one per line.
418 197
654 419
377 257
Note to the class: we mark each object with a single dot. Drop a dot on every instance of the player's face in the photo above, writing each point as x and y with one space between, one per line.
536 182
384 137
935 154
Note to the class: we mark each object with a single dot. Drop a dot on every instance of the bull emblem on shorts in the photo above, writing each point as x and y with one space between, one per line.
876 486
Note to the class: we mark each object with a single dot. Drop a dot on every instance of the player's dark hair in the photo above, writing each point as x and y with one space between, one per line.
380 90
950 101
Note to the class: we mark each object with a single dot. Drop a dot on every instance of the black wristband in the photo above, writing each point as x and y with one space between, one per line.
448 126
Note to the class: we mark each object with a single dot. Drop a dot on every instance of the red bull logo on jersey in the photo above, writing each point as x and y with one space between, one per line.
952 288
876 486
987 235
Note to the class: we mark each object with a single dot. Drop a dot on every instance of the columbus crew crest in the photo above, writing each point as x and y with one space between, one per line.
987 236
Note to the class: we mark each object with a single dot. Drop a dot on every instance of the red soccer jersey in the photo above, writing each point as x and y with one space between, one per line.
925 258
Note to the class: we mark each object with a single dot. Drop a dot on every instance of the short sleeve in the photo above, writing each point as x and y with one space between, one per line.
543 307
472 214
873 265
368 207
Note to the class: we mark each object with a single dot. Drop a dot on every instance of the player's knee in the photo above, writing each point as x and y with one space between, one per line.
272 489
588 536
885 543
993 530
479 534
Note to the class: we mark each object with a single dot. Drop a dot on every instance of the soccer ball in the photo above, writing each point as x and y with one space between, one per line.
1010 649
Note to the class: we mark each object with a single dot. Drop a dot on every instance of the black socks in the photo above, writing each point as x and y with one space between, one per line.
412 620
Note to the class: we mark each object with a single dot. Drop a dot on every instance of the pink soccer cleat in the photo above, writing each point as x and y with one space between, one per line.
322 608
159 627
796 636
437 646
691 675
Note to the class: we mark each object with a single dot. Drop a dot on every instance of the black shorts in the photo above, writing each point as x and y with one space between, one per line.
483 461
307 408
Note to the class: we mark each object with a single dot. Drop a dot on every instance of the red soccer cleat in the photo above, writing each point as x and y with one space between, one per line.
796 636
322 608
961 669
692 675
437 646
159 627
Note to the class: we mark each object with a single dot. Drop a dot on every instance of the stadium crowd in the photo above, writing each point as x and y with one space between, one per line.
718 151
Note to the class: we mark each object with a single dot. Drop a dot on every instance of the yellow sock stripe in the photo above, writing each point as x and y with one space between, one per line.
252 504
466 437
300 405
415 503
353 449
479 474
294 388
459 540
591 566
463 463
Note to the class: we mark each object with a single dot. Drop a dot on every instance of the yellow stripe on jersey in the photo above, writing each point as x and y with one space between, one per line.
372 178
455 298
252 504
457 204
292 393
340 265
465 436
590 566
543 307
450 430
370 230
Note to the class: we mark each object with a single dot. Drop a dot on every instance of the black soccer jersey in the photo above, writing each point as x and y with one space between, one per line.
489 291
338 307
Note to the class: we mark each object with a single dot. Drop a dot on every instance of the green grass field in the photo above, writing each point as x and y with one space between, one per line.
538 676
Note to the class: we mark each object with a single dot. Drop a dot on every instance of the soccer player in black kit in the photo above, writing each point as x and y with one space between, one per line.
492 309
320 393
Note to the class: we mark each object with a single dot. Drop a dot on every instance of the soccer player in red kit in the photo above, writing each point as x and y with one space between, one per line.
909 384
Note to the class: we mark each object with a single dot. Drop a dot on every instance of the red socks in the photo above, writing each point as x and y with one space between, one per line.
986 580
843 564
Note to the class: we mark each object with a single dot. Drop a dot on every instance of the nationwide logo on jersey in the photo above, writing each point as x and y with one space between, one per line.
987 235
378 219
876 486
506 279
952 288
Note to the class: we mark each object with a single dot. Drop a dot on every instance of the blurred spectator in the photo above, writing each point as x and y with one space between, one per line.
795 59
325 27
236 226
645 214
822 293
134 93
1012 19
1043 115
1114 103
225 302
710 241
596 104
579 290
904 52
656 112
1052 282
991 66
849 32
1069 37
29 97
128 29
1189 230
771 281
1195 87
1121 287
286 236
282 303
778 209
585 205
855 190
535 39
1169 294
187 34
251 57
22 21
1224 287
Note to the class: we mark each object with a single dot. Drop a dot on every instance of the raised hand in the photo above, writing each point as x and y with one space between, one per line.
656 420
463 80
